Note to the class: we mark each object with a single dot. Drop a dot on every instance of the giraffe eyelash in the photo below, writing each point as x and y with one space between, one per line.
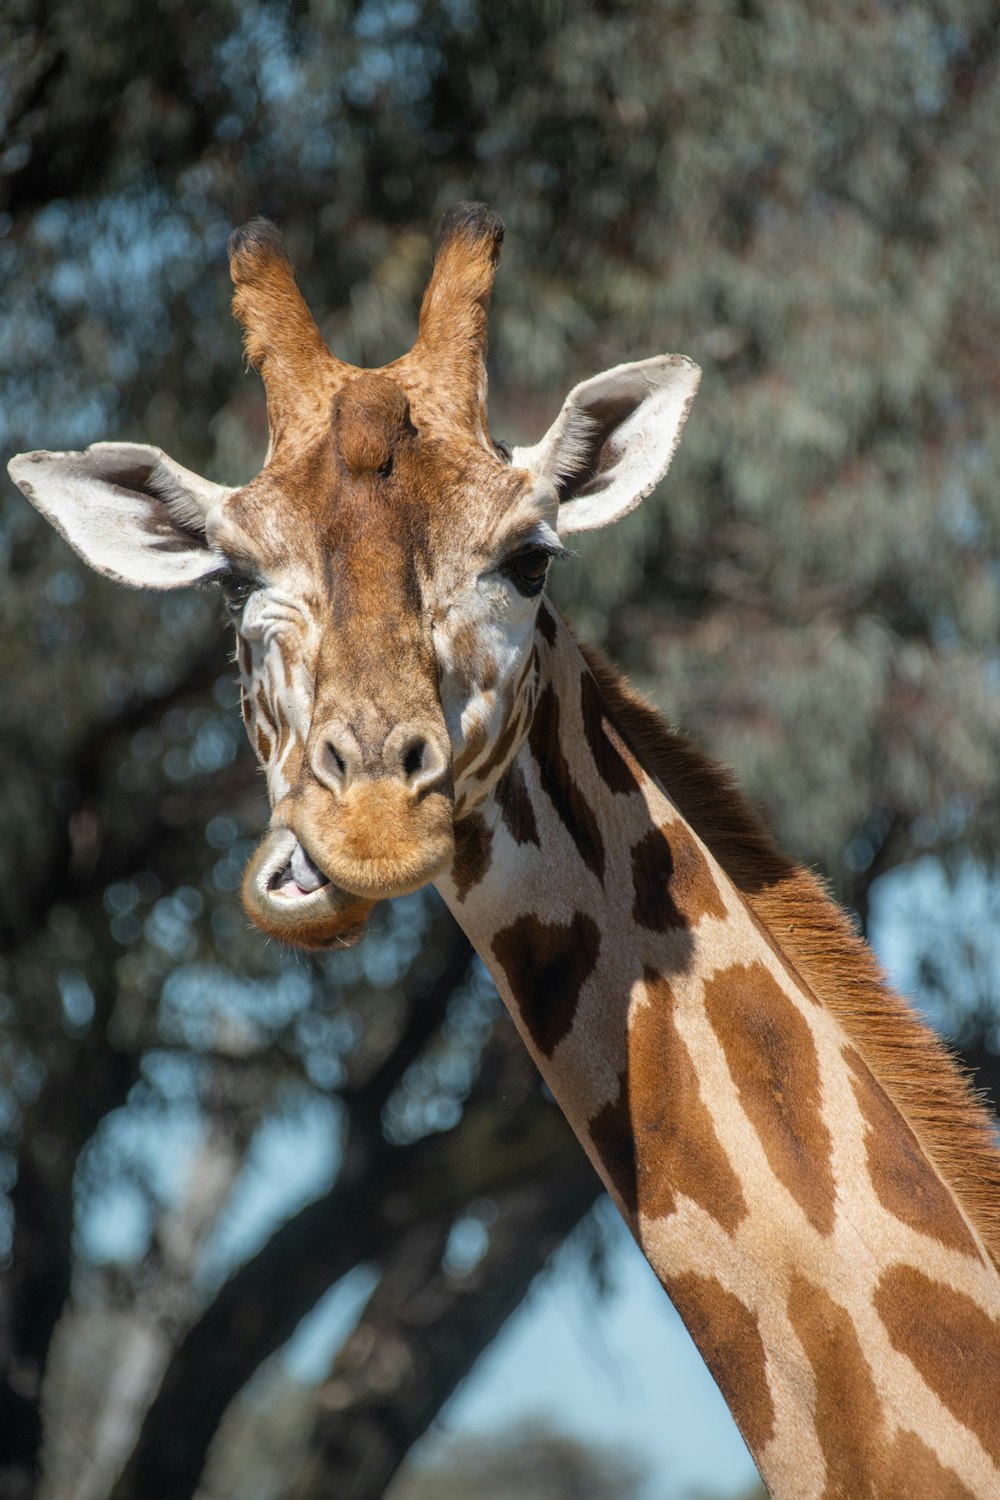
519 546
527 568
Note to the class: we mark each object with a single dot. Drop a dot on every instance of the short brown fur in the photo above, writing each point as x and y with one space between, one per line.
953 1343
454 311
862 1460
912 1065
659 1141
773 1063
281 338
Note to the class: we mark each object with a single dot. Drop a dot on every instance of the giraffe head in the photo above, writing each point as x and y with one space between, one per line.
383 571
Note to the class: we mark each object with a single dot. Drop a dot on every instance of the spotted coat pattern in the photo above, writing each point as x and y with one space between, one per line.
840 1295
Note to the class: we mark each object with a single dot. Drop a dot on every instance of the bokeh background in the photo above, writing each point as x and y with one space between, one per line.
263 1213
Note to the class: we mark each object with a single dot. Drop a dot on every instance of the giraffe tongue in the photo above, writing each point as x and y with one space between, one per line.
300 875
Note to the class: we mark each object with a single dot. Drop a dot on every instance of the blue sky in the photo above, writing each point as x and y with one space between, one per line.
620 1370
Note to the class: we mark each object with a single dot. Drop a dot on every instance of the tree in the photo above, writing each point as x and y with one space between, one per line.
519 1465
805 204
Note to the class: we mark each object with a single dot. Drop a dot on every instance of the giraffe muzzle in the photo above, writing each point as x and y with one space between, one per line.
327 859
379 837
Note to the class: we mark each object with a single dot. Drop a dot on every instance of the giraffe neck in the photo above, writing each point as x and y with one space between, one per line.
829 1272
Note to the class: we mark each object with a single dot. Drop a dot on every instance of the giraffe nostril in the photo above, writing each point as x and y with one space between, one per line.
336 757
413 759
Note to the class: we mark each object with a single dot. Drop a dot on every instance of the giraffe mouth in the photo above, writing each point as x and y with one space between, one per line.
301 877
380 843
287 895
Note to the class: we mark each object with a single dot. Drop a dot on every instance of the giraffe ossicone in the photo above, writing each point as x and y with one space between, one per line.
805 1169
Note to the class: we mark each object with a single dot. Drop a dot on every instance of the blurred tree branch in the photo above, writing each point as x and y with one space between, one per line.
382 1191
423 1329
65 872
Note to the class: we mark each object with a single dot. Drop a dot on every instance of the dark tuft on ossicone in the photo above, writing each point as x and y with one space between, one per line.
472 221
258 239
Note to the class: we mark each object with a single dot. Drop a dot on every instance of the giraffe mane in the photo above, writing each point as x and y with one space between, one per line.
918 1072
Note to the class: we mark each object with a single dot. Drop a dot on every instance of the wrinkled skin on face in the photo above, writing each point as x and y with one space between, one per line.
383 571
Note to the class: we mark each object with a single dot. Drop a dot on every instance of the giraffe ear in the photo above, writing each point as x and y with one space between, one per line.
613 440
128 510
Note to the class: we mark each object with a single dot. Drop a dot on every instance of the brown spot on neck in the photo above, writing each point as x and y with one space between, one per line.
728 1338
547 964
514 801
611 765
569 802
953 1343
818 940
674 886
902 1176
546 623
849 1416
773 1062
473 853
657 1139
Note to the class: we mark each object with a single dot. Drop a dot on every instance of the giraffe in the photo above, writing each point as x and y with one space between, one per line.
810 1177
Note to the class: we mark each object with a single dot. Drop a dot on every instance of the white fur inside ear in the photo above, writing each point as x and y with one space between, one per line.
614 439
189 498
127 509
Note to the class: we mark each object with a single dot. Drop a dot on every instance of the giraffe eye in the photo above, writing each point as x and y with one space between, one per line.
236 590
527 570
